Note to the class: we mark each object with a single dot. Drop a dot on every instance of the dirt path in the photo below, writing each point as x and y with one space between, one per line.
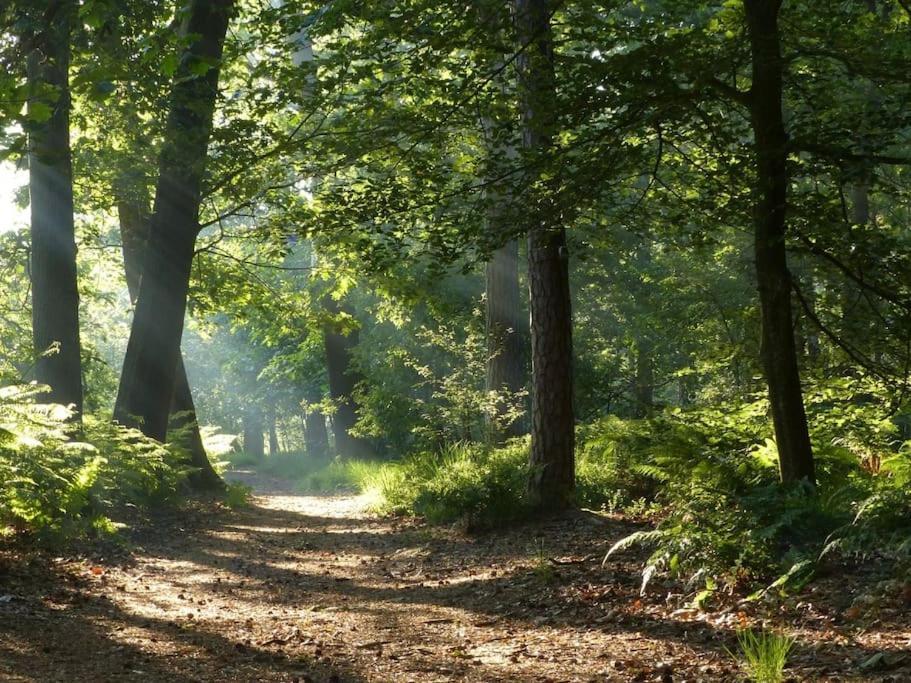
303 588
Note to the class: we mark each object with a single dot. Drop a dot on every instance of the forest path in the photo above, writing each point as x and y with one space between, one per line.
312 588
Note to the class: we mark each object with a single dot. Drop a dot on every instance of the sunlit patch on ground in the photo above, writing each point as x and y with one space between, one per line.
298 586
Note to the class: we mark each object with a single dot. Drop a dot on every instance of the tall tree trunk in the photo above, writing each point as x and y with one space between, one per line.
132 209
55 295
506 326
148 380
552 481
343 378
779 352
505 339
254 444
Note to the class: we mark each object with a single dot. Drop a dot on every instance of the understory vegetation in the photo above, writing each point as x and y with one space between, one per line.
61 481
480 263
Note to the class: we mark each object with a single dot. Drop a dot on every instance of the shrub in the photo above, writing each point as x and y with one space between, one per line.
55 486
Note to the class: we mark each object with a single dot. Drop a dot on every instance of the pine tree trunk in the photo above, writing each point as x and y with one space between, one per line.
149 377
779 352
55 295
134 228
552 481
343 378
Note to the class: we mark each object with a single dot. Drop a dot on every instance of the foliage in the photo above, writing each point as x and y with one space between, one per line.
469 483
725 518
237 496
765 654
55 486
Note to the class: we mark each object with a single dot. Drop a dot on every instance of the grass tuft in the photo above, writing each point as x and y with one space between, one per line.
764 654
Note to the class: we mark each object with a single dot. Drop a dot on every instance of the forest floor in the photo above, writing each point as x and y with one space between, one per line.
309 588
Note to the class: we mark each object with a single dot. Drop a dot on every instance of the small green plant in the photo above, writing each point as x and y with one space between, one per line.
541 566
764 654
237 496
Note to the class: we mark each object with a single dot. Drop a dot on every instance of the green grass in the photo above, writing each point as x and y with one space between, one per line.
465 482
764 655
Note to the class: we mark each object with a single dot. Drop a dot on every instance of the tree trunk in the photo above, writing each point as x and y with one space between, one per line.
343 378
254 444
552 481
55 295
134 227
779 352
273 433
148 380
645 378
505 341
316 435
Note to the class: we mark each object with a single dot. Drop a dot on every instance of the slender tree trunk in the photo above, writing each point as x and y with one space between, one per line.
553 425
55 295
254 444
779 352
273 433
148 380
505 341
343 378
134 228
645 378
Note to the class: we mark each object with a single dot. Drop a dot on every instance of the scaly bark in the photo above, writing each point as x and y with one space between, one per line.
552 481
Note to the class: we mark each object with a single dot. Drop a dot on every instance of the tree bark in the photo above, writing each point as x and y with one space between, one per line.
132 210
254 443
316 435
506 342
779 351
149 377
552 482
55 294
273 433
343 378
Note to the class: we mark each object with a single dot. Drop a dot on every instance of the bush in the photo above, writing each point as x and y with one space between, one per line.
55 486
477 485
725 518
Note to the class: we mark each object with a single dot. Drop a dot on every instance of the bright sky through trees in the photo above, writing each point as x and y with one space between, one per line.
12 216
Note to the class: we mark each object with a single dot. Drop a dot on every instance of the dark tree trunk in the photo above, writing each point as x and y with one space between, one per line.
505 339
779 352
134 228
148 380
254 443
316 435
343 378
55 295
552 431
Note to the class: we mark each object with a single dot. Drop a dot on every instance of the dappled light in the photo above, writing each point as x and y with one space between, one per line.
501 340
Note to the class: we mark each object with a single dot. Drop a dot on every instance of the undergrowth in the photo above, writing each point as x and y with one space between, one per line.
59 483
